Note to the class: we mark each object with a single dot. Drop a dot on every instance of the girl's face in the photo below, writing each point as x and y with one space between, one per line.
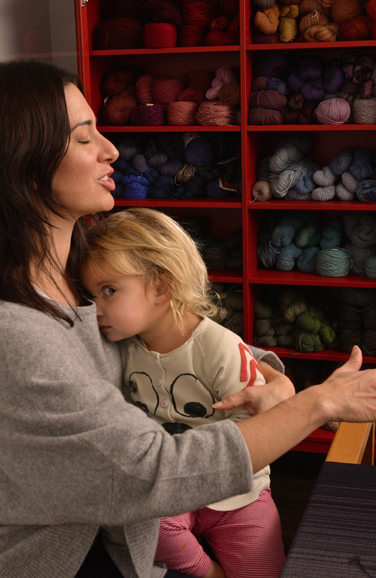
82 183
125 307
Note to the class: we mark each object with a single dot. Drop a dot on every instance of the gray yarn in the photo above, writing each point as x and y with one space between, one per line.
323 193
331 234
370 267
334 262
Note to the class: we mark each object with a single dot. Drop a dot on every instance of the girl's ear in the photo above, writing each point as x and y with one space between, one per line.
162 291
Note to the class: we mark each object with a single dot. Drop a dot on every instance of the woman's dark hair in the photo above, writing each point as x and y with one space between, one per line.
34 137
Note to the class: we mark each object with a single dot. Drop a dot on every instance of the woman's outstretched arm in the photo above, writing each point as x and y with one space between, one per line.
347 395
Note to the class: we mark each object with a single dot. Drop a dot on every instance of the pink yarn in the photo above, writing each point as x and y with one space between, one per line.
144 92
333 111
216 113
223 76
166 90
182 113
260 83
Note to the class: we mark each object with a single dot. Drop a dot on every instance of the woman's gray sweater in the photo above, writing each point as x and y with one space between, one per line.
76 458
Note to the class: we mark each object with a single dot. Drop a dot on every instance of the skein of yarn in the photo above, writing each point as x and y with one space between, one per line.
333 111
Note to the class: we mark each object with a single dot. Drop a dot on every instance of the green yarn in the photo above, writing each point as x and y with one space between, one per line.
308 323
308 236
235 300
307 342
263 310
294 309
327 333
264 327
265 341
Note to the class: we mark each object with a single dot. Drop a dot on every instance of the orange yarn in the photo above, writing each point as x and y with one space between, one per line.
322 33
343 9
291 11
359 28
288 29
312 19
307 6
267 20
230 93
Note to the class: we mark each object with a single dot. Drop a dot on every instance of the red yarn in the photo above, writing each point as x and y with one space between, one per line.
122 8
201 79
144 92
234 25
117 109
230 7
359 28
119 33
260 115
220 23
290 116
219 38
190 35
161 11
117 80
371 9
192 94
160 35
166 90
199 12
373 29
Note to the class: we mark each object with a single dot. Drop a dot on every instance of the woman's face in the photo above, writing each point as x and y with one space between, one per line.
82 183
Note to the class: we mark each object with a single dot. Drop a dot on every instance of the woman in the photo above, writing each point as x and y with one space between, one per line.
78 465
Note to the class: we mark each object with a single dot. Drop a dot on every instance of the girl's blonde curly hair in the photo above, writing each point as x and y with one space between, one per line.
148 243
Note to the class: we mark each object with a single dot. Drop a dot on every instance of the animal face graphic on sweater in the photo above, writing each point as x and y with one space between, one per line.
178 389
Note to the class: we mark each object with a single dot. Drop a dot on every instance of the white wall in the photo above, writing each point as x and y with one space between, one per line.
42 29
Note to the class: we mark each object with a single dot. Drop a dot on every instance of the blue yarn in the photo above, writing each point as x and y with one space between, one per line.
360 167
199 152
287 256
366 191
136 186
121 165
306 185
214 190
342 161
307 260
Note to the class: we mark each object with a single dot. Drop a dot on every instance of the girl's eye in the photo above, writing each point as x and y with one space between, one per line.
108 291
84 141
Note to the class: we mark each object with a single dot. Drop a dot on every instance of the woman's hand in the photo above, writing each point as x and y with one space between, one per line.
258 399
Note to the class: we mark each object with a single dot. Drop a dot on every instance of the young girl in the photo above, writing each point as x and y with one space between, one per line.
151 290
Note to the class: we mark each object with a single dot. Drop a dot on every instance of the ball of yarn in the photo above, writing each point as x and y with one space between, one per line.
160 35
199 12
334 262
267 99
167 89
357 28
341 10
120 33
199 152
357 67
370 267
191 94
143 88
364 110
181 113
191 35
261 191
267 20
221 38
322 33
264 116
117 109
149 115
216 113
333 111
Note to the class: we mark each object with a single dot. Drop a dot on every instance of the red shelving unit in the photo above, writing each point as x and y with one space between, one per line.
226 214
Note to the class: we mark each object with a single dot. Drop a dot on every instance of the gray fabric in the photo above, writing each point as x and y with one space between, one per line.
74 456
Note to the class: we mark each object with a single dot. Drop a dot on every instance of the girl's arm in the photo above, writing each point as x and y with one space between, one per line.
278 387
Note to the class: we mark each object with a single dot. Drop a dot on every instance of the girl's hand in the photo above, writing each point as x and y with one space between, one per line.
258 399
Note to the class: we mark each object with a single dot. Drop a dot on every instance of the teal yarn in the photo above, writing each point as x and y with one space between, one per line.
333 262
308 236
287 256
331 234
370 267
306 263
284 232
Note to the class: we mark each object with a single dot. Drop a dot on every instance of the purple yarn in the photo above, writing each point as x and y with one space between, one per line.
128 147
309 68
154 155
342 161
214 190
121 165
333 76
294 81
259 37
139 163
170 168
314 90
199 152
357 67
360 167
273 64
